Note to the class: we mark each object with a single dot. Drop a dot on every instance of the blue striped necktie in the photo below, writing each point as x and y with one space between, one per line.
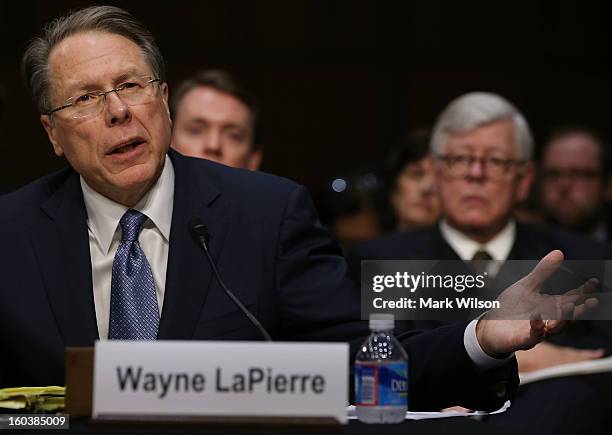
134 313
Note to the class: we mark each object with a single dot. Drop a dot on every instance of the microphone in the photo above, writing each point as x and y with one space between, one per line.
199 233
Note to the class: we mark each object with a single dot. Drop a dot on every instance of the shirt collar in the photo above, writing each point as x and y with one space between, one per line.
498 247
103 214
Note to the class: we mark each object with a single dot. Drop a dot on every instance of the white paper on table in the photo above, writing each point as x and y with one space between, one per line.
572 369
410 415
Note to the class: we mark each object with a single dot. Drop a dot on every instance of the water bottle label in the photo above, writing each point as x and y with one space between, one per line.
381 385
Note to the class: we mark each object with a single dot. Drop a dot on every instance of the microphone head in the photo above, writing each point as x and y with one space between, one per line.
198 230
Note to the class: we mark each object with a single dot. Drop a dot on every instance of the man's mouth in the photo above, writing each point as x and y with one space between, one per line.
126 146
473 199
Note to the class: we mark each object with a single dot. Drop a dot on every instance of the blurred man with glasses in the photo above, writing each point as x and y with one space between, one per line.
575 183
482 150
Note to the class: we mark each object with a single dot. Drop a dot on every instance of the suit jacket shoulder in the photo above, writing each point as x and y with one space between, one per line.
250 185
23 205
534 242
418 244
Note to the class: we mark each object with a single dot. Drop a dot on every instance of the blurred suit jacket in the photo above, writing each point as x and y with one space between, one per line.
269 247
531 243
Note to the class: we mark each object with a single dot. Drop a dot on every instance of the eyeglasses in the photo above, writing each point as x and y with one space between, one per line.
458 165
139 90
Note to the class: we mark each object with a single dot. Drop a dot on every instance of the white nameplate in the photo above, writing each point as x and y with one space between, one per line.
208 378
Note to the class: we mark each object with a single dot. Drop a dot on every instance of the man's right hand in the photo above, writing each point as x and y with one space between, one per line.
520 322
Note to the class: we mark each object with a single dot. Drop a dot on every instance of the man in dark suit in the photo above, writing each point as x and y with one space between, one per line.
102 250
482 147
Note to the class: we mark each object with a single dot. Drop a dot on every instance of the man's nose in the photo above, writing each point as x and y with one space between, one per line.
476 170
117 111
564 182
212 143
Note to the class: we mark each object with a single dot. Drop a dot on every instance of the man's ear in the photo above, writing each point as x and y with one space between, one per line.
255 160
525 182
164 90
50 129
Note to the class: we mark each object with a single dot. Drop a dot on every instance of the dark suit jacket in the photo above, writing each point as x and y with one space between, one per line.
269 247
531 243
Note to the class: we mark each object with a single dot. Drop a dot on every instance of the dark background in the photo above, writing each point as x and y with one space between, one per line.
340 81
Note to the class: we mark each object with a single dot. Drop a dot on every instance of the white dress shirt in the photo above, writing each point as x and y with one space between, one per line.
103 216
499 248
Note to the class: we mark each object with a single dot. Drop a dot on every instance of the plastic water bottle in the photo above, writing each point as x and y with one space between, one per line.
381 375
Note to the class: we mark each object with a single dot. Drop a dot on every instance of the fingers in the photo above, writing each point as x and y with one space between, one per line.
588 305
554 326
587 287
569 311
576 307
538 327
543 270
569 305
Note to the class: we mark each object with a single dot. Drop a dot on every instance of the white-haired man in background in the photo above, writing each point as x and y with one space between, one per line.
482 147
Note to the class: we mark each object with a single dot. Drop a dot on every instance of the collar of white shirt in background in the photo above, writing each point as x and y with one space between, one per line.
498 247
104 214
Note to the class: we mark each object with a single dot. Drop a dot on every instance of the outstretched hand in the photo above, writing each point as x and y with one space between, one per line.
526 316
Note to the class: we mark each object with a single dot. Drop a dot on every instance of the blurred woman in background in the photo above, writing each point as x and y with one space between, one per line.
410 184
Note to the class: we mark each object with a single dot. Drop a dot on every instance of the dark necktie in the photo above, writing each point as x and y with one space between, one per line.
481 261
134 313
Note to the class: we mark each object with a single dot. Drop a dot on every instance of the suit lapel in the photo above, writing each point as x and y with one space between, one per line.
528 244
451 262
442 250
522 258
429 244
189 275
61 245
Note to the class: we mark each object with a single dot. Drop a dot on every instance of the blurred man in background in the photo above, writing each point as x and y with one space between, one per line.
575 181
482 148
214 118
